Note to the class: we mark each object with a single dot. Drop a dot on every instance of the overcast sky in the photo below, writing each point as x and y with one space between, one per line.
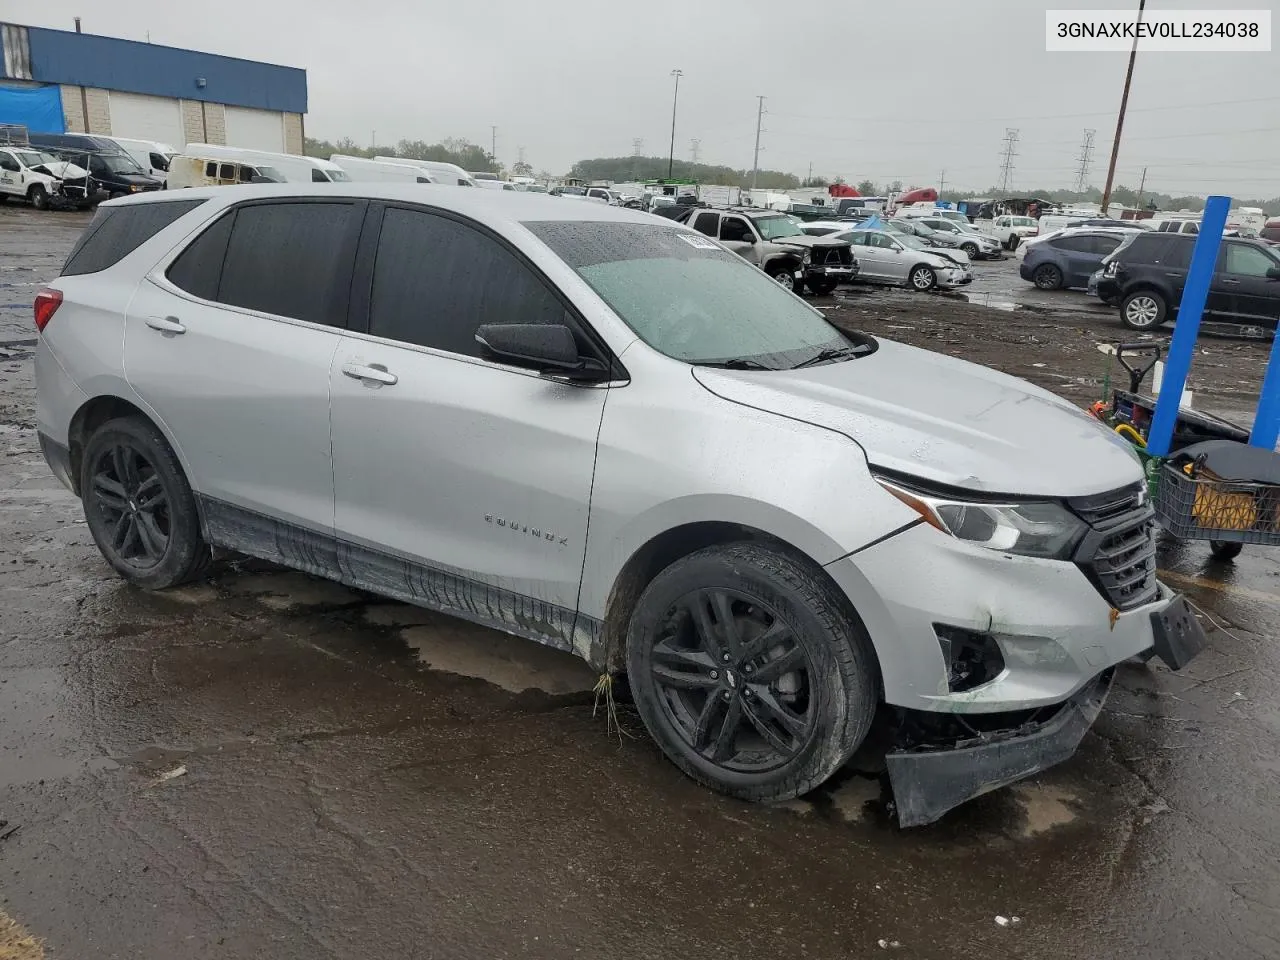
880 89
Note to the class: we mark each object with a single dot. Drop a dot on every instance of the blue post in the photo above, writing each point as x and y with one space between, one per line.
1178 363
1266 421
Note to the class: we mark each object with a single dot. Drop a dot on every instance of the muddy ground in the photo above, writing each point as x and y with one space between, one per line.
268 765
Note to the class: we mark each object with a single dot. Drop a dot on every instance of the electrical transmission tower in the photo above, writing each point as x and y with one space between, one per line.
694 147
1006 157
1085 158
637 147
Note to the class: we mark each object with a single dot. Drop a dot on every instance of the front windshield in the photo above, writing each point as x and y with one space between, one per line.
535 188
688 297
1022 222
120 163
271 173
775 228
338 176
909 241
573 191
32 159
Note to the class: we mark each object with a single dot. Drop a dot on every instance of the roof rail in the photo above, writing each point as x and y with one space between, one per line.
14 135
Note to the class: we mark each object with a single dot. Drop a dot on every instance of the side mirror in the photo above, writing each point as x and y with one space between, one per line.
545 347
1273 273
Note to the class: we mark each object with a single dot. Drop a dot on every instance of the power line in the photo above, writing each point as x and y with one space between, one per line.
1010 151
1086 155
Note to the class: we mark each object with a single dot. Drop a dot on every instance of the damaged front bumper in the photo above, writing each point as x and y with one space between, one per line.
937 776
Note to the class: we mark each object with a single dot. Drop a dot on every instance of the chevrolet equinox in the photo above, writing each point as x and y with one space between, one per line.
603 431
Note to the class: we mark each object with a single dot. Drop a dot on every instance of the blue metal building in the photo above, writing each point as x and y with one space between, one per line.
57 81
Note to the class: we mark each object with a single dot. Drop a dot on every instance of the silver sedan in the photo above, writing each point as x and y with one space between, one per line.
896 258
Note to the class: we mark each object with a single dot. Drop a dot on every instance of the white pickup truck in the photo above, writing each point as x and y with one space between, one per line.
1009 229
32 175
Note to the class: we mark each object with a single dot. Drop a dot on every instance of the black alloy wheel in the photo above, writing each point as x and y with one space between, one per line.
734 680
130 501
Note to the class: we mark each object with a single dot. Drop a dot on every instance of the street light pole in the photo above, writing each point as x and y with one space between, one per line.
671 157
1124 103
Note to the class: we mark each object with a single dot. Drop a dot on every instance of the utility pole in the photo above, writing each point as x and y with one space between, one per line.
1124 104
1142 186
637 146
942 181
493 143
809 178
373 138
1085 158
694 147
675 98
1010 151
755 162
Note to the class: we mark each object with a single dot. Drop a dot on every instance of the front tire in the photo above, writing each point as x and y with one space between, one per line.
784 277
139 506
39 197
750 672
971 249
922 278
1143 310
822 288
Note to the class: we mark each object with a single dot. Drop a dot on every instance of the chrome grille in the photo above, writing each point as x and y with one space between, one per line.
1119 553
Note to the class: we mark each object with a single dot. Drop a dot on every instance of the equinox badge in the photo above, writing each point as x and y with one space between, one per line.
515 527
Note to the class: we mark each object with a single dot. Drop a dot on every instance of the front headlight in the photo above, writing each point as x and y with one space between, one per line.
1032 528
805 257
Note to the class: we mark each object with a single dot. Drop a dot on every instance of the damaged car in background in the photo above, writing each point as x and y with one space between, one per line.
777 529
43 179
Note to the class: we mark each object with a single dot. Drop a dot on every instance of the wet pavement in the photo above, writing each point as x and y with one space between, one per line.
269 765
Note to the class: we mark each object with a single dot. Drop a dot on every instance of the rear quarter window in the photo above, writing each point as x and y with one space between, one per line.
116 232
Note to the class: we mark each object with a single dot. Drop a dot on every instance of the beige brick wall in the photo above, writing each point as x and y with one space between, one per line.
71 109
215 119
99 110
192 128
293 133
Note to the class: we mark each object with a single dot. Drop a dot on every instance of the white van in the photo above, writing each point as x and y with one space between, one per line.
151 155
447 173
364 170
294 168
200 171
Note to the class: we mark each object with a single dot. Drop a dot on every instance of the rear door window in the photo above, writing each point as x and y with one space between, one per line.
707 223
289 259
117 231
1247 261
1105 245
436 280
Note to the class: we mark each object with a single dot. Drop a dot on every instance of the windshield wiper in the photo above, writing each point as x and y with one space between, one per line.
735 363
832 353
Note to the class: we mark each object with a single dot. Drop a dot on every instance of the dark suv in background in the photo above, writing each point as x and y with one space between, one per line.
1067 261
1146 274
118 173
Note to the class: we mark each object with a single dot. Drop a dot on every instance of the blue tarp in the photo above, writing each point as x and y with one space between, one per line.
39 109
872 222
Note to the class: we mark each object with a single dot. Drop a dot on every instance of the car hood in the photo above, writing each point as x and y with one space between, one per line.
61 169
950 254
944 420
808 242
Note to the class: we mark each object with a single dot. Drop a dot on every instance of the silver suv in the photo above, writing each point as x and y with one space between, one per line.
608 433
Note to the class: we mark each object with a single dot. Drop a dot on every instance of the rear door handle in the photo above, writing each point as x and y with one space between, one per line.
1229 280
370 373
166 324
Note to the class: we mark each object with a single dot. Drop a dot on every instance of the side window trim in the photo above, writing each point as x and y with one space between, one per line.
362 286
159 273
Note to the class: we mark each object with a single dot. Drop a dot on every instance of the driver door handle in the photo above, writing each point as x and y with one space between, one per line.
166 324
370 373
1229 280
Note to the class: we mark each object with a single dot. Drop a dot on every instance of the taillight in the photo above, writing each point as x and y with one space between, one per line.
47 303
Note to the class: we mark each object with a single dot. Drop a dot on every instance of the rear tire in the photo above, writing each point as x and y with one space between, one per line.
139 506
39 197
1047 277
1143 310
822 288
1223 551
750 671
